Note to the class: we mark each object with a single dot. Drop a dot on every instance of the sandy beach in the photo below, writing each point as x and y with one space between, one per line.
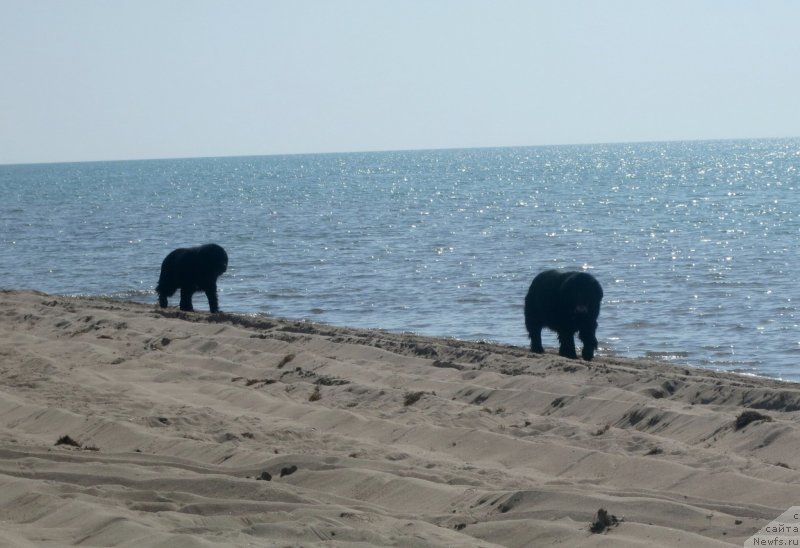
125 425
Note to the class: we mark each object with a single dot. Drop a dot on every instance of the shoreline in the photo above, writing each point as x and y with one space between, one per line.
660 357
229 429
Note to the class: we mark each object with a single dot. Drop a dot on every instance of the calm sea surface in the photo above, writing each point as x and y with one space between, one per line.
695 243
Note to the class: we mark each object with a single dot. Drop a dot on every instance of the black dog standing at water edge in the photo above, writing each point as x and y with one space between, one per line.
566 302
192 269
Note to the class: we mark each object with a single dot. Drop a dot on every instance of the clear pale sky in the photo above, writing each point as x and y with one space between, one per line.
103 80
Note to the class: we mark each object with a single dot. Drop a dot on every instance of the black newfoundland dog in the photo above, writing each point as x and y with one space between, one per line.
192 269
565 302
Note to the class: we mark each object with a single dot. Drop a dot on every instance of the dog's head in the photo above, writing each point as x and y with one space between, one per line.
216 257
582 293
223 263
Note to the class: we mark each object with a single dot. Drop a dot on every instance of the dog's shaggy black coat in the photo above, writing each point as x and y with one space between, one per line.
566 302
192 269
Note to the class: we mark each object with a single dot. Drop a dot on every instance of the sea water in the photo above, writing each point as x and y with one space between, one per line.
695 243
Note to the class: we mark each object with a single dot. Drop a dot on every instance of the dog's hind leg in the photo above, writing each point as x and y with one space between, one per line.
186 299
535 334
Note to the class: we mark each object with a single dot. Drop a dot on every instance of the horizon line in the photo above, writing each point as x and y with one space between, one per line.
382 151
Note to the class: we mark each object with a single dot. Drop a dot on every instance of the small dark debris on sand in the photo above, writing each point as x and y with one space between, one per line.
603 521
265 476
603 430
66 440
288 470
746 417
411 398
443 364
286 359
261 382
327 380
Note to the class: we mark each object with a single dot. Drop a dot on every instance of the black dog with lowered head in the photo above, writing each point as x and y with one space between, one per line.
192 269
566 302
